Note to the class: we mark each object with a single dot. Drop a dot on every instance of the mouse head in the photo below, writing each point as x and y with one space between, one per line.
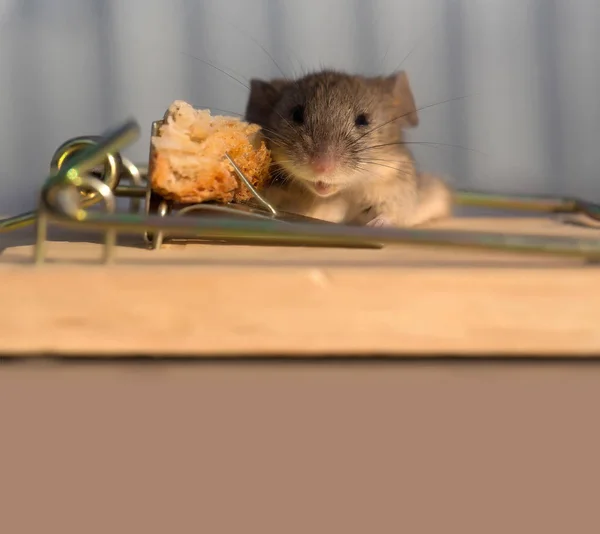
331 129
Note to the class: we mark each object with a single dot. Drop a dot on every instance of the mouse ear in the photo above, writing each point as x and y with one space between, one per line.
263 98
404 100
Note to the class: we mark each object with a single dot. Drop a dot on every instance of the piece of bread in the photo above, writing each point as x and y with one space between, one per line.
188 156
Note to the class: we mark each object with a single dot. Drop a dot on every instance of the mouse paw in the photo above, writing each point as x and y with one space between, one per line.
379 222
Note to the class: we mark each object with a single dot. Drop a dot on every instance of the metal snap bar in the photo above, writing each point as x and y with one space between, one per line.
71 190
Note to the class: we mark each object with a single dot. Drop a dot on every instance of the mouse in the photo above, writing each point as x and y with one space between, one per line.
338 151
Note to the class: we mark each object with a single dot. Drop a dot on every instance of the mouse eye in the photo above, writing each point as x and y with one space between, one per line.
362 120
298 114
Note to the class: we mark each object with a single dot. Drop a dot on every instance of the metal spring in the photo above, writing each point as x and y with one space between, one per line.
115 169
72 188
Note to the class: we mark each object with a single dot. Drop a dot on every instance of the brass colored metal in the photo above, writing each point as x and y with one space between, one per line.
131 191
266 232
18 221
528 203
153 202
70 190
158 237
115 167
74 146
75 184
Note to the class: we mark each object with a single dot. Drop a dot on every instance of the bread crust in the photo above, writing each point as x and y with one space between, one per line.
188 163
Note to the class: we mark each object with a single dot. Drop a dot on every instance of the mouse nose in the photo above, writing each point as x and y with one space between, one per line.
322 164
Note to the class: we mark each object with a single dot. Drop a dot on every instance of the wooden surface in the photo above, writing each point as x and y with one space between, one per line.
225 300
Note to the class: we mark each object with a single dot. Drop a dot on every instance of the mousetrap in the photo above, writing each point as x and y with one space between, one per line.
89 171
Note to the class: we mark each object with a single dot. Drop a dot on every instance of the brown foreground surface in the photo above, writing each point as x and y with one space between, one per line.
415 448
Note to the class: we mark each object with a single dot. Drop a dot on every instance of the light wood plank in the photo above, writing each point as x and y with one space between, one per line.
224 300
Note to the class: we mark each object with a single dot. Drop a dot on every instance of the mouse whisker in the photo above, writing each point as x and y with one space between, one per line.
385 160
421 143
280 174
267 129
272 132
382 165
360 152
211 108
282 161
245 85
281 117
219 69
275 138
274 142
403 172
404 115
435 144
246 34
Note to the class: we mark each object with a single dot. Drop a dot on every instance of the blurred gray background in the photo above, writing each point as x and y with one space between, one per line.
528 70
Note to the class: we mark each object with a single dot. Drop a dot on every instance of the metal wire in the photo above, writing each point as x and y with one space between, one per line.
66 199
248 184
115 168
528 203
71 189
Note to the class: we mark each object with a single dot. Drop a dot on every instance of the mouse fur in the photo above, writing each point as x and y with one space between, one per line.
337 146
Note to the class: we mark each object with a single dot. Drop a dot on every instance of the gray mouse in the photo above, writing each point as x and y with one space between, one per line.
336 142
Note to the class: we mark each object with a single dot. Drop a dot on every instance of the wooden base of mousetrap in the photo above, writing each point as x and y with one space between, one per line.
210 300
